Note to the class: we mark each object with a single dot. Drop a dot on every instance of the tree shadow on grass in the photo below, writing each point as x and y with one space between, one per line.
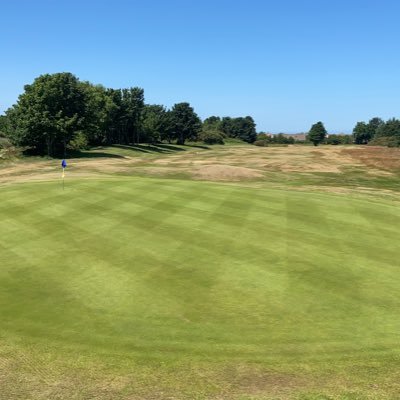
91 154
198 146
151 148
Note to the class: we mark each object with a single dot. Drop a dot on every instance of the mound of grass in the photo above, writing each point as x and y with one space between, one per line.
148 288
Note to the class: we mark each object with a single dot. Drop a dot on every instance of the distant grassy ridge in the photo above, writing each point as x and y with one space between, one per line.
136 278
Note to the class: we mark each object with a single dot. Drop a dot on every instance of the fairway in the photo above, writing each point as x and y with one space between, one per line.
137 287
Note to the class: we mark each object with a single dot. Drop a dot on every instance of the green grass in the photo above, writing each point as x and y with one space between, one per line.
151 288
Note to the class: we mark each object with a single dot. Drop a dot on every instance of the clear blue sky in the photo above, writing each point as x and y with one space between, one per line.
286 63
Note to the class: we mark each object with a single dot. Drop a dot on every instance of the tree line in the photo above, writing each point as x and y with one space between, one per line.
375 132
58 112
378 132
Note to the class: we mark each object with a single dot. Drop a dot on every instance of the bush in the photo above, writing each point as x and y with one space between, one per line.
212 137
79 142
261 143
4 142
389 141
339 139
8 151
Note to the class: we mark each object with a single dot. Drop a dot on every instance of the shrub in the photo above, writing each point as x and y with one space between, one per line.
212 137
79 142
389 141
261 143
4 142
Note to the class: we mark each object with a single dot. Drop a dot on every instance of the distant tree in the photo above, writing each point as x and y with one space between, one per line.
373 125
168 131
212 137
186 123
390 128
333 139
3 125
132 106
48 114
212 123
388 134
317 133
339 139
100 109
243 128
154 122
361 133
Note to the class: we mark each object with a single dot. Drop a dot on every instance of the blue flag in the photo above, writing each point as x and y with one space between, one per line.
63 163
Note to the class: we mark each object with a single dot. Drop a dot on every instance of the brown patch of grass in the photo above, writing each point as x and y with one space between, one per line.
383 158
225 173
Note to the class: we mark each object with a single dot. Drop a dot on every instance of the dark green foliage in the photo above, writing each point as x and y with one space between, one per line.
364 132
377 132
317 133
154 123
241 128
101 111
389 141
374 124
280 138
361 133
390 128
212 123
339 139
261 143
3 125
212 137
79 142
125 115
186 124
48 113
58 112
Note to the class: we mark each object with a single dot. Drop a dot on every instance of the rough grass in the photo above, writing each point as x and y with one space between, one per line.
326 168
140 288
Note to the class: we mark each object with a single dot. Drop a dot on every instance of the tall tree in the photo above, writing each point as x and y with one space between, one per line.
374 124
154 122
49 113
362 133
317 133
391 128
100 110
3 125
212 123
240 128
186 123
132 105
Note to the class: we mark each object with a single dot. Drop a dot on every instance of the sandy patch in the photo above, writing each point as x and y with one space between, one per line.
225 173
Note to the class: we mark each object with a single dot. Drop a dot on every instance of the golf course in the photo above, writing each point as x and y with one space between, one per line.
201 272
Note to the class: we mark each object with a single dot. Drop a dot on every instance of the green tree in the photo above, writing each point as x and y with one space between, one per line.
243 128
389 133
212 137
373 125
186 123
154 122
3 125
361 133
48 114
212 123
339 139
317 133
390 128
100 109
365 132
132 106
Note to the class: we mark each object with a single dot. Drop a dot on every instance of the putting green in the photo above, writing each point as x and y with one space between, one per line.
148 271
